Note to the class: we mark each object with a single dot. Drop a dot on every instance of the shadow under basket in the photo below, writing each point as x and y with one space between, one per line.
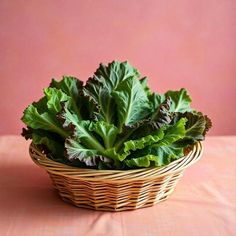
115 190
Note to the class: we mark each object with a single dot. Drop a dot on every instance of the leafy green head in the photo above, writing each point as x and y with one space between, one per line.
113 121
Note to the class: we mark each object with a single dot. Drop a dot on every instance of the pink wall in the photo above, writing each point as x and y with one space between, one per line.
177 44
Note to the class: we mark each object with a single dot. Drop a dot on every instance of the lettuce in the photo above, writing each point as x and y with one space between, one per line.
114 121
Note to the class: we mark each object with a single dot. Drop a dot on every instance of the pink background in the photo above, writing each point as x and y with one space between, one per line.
177 44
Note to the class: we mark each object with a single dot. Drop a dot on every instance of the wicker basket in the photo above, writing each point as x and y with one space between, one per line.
115 190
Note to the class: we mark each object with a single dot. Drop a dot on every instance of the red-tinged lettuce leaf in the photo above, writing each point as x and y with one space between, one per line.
162 115
67 118
50 143
88 131
155 101
27 133
208 124
76 151
79 128
196 127
90 108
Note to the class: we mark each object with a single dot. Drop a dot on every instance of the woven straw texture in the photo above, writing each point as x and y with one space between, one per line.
115 190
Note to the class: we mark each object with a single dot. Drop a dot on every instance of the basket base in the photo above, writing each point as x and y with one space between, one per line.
122 197
104 208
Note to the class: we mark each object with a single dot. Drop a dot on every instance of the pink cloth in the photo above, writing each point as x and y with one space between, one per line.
204 202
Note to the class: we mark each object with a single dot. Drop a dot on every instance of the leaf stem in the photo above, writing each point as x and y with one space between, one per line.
92 141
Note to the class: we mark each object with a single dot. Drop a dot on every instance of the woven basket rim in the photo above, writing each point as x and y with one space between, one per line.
148 173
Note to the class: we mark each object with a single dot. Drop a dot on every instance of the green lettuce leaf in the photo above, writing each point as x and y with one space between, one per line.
180 100
164 136
144 84
156 156
69 85
45 121
133 145
174 132
161 152
145 161
72 87
147 126
41 105
54 99
107 131
132 102
106 79
42 114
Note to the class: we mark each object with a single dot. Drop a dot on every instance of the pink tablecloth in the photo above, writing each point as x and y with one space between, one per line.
204 202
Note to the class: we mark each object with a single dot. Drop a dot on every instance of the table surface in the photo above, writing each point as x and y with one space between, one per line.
204 202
